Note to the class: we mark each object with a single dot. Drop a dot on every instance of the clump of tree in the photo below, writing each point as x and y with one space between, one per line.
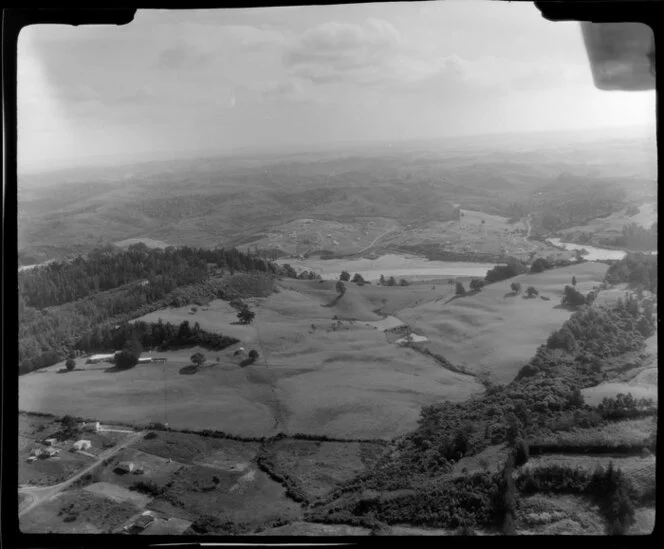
341 288
198 359
540 265
128 357
476 284
638 270
245 315
344 276
460 290
503 272
532 292
403 282
516 287
358 279
573 298
70 364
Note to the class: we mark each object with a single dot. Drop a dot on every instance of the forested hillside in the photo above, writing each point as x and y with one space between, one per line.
62 302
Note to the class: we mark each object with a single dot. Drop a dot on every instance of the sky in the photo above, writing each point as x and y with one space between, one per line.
182 81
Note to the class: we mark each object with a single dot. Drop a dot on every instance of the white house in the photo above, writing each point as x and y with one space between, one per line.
91 426
82 445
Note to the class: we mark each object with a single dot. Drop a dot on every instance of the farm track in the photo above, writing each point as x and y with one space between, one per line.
40 494
277 410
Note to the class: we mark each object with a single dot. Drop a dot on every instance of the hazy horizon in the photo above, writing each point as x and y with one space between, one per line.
192 83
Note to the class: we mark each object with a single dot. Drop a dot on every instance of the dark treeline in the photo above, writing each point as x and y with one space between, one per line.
159 335
109 268
47 336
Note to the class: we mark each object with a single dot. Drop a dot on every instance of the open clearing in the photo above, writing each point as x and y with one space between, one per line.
117 493
314 375
90 513
319 467
628 432
542 514
171 526
249 497
495 332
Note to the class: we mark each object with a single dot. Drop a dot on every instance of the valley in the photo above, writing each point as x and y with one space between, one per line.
337 345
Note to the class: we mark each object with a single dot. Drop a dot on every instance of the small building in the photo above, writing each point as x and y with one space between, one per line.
142 522
239 351
50 441
31 459
159 360
125 467
36 452
145 360
82 445
48 453
93 426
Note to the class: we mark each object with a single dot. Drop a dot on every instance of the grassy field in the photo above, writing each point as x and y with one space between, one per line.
118 494
223 396
92 513
495 332
314 374
558 515
631 431
319 467
249 497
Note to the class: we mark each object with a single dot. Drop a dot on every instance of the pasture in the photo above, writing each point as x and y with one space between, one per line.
495 332
314 374
77 512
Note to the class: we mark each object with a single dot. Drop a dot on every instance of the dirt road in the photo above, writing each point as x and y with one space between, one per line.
35 495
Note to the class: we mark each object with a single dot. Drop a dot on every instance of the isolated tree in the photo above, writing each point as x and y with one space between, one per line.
70 364
345 276
198 359
460 290
382 280
341 288
246 316
391 281
573 281
532 291
358 279
253 354
516 287
128 356
476 284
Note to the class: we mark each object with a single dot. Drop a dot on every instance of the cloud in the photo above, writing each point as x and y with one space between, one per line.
183 56
335 51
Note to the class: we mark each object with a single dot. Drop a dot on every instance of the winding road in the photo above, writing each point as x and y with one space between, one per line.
36 495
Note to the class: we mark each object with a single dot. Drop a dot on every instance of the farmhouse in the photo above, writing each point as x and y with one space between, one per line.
81 445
